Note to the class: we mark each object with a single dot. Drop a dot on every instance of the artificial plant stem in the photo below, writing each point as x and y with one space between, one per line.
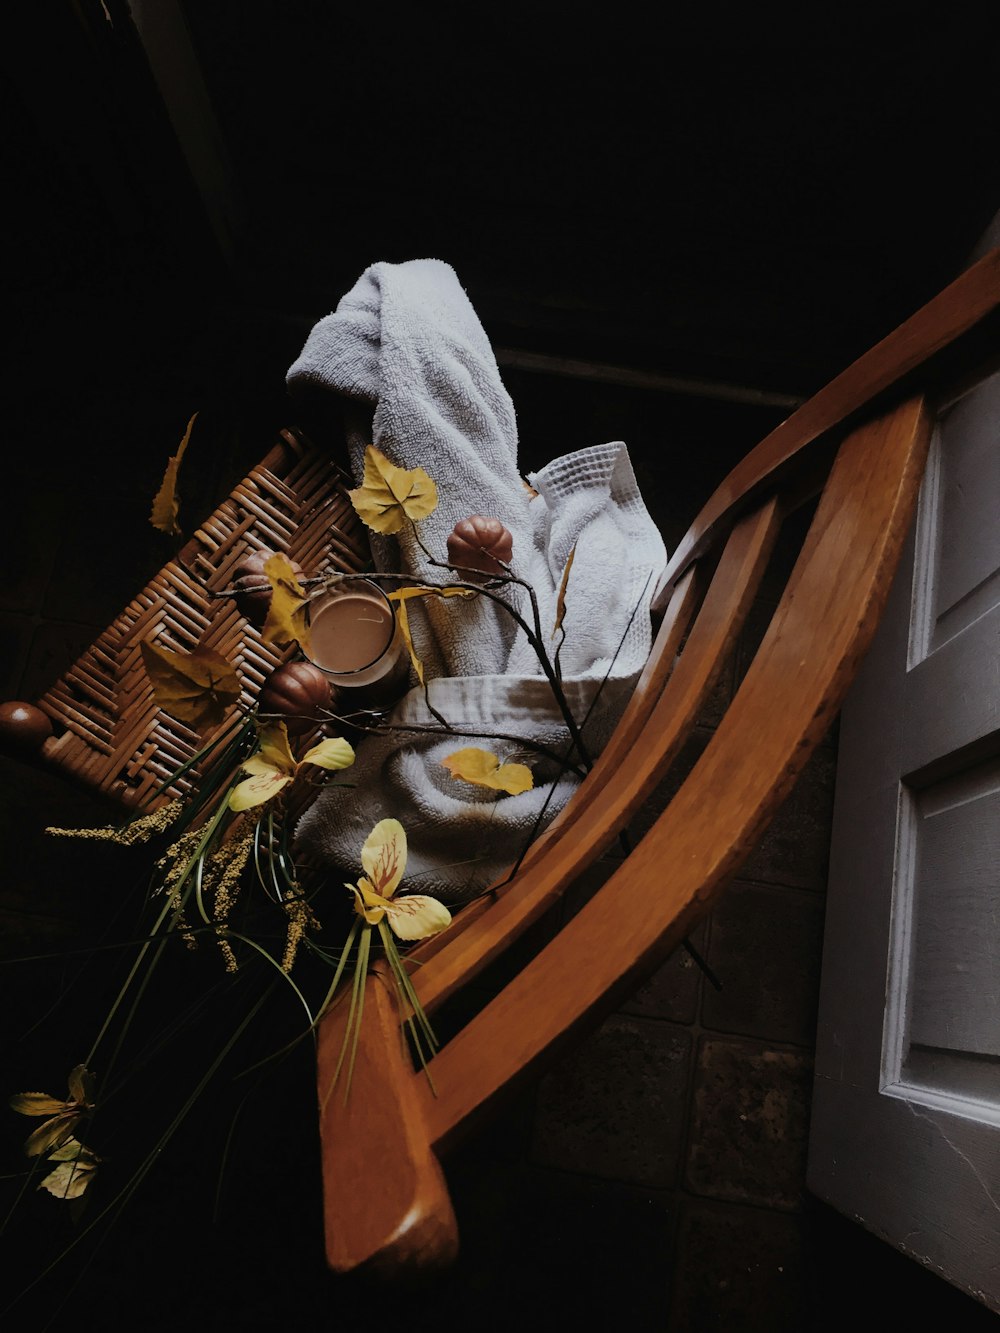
357 980
125 1194
154 933
236 935
196 861
331 991
385 728
363 952
227 732
407 993
534 640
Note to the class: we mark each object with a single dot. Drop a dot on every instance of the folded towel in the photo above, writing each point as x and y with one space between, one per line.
407 347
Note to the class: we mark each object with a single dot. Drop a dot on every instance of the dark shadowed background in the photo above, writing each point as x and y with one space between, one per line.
673 229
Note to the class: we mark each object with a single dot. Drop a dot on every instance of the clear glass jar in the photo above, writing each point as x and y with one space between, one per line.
355 640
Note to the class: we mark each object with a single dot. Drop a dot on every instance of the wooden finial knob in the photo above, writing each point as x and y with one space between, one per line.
23 727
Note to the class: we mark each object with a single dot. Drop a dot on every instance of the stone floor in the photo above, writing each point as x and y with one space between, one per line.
654 1178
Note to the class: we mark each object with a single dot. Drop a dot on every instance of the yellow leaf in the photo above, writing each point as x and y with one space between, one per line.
403 620
390 495
333 753
167 503
73 1151
414 916
401 596
561 599
77 1170
485 770
286 621
384 856
197 688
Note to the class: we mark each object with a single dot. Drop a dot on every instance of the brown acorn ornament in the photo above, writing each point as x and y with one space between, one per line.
296 692
480 543
253 587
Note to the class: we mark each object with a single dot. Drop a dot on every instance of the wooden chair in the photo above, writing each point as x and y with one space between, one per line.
99 723
859 446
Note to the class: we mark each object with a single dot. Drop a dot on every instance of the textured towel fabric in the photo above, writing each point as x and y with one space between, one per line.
407 347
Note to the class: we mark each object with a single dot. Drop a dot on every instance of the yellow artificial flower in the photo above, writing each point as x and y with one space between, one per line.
412 917
274 766
63 1116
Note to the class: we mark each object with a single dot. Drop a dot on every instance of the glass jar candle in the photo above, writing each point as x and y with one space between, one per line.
355 641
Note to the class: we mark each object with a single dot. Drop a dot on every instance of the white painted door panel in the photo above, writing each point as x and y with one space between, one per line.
905 1133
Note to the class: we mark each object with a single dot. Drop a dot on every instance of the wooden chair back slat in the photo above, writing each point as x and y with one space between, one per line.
673 627
787 699
962 318
402 1218
619 787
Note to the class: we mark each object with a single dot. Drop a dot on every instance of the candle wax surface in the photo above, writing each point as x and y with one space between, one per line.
349 632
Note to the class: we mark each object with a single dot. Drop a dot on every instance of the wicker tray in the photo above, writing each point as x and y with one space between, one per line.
108 731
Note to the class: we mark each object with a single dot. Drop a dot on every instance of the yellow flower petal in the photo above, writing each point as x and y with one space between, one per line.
274 747
52 1134
81 1084
485 770
258 789
372 913
414 916
403 621
332 753
257 764
384 856
38 1103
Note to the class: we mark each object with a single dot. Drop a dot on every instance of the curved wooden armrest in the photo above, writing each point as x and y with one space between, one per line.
401 1217
860 445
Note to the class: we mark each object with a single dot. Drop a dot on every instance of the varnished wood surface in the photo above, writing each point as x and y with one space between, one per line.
384 1198
672 629
110 733
789 696
631 773
922 343
876 439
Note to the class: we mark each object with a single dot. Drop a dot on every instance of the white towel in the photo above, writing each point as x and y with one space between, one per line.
406 345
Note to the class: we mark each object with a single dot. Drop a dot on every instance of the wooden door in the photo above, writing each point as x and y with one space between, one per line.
905 1133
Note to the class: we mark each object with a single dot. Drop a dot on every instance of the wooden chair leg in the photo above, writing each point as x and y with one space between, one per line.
385 1203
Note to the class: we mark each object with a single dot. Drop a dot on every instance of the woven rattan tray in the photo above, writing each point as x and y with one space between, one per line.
108 731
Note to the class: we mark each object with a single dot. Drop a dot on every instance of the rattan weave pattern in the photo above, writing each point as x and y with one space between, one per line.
108 731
